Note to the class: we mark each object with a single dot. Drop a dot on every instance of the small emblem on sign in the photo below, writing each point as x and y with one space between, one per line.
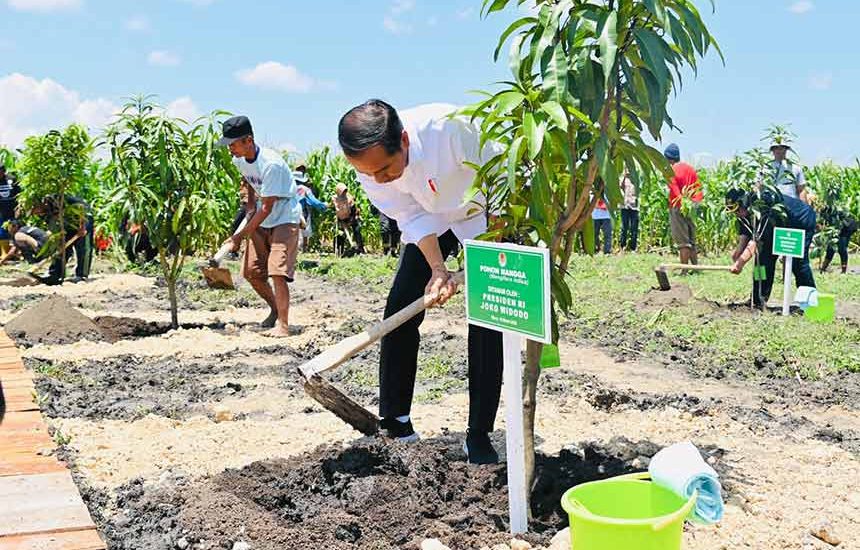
503 259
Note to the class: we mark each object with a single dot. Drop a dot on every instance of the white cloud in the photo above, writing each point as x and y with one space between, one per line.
801 7
287 147
394 26
393 21
138 23
466 13
29 106
821 82
184 108
272 75
163 58
43 5
402 6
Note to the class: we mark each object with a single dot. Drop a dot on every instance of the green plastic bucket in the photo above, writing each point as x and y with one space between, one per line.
625 513
825 311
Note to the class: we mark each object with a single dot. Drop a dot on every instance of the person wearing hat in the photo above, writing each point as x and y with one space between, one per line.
308 201
784 174
684 185
273 217
349 240
415 167
9 190
758 213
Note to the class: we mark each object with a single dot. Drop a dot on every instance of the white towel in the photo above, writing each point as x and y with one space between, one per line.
681 469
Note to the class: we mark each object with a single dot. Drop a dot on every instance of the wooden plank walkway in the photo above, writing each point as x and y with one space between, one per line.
40 506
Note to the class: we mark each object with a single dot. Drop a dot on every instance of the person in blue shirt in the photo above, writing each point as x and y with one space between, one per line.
308 201
758 213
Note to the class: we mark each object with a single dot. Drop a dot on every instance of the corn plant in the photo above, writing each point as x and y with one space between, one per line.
325 171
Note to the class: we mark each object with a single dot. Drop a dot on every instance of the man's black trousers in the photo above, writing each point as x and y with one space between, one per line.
398 362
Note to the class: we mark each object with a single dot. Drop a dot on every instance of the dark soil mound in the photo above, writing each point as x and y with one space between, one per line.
52 321
368 496
123 328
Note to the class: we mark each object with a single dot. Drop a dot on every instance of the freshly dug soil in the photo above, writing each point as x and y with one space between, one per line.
122 328
130 387
52 321
679 295
370 496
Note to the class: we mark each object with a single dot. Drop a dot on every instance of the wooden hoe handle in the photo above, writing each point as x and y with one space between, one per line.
691 267
347 348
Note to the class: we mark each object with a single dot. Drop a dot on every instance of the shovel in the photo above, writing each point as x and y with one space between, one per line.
218 277
332 398
662 271
30 278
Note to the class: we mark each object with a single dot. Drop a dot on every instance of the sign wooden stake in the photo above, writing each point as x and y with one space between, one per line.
515 440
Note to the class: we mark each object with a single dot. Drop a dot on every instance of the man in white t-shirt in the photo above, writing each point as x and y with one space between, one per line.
784 174
413 168
274 215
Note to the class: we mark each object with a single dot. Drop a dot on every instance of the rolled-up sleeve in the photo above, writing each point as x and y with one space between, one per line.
414 222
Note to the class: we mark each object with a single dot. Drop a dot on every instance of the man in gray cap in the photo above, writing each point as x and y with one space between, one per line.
784 174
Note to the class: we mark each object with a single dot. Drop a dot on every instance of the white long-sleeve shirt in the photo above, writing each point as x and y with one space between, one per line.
430 196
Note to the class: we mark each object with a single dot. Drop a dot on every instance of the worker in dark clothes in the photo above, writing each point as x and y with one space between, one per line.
27 241
758 214
845 225
9 190
78 221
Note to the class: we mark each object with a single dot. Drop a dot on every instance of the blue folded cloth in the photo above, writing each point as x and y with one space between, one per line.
681 469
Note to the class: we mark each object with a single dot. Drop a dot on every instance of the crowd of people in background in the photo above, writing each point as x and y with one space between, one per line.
20 240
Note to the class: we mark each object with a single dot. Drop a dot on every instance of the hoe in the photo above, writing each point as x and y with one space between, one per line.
333 399
662 271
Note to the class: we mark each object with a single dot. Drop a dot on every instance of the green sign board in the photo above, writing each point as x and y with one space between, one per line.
788 242
508 288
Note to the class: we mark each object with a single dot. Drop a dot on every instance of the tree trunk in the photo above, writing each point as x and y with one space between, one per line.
61 217
174 307
531 374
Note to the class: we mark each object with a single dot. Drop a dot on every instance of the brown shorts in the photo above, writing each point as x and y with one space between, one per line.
271 252
683 229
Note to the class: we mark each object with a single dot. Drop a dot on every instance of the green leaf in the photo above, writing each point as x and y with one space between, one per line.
651 48
508 101
491 6
556 113
588 236
609 46
514 154
534 132
555 78
510 30
657 10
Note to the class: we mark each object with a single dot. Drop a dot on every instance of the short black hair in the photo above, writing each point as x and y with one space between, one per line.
372 123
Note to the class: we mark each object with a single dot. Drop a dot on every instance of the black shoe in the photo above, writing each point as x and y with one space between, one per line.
479 449
397 430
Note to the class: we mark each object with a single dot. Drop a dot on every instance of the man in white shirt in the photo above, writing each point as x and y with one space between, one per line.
785 175
412 167
273 215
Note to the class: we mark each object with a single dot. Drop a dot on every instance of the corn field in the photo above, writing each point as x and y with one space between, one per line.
716 229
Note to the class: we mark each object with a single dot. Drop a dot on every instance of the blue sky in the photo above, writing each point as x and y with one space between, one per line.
295 66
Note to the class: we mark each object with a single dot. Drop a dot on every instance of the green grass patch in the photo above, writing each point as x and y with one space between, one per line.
608 290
